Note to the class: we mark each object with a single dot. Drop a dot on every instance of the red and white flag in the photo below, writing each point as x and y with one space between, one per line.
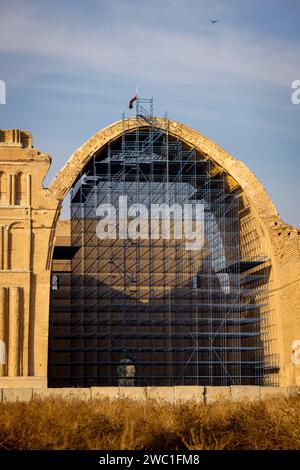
133 99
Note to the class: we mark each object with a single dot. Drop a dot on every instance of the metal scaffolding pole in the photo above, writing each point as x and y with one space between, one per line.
174 316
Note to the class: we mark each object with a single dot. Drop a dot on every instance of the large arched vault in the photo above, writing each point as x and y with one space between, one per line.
25 289
65 178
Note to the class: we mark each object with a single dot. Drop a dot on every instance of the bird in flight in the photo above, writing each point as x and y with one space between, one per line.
214 21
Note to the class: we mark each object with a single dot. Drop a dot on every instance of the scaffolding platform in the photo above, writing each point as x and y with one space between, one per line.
175 316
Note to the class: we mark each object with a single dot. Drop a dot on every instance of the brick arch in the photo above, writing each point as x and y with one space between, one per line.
65 178
280 240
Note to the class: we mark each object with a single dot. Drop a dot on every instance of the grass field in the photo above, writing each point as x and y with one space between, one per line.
126 424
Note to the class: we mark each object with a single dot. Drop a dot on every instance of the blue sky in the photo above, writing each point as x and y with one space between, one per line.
70 68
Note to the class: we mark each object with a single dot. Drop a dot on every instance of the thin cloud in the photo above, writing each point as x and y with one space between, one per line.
139 51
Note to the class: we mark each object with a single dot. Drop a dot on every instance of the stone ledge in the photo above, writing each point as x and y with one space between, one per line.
176 394
134 393
269 392
17 394
187 393
212 394
161 394
295 390
23 382
244 392
105 392
67 393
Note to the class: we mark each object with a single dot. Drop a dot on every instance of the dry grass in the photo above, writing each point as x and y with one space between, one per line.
126 424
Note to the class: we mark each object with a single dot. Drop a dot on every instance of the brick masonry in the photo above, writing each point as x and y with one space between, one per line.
28 222
178 394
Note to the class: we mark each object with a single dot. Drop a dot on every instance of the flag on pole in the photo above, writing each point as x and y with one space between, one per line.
133 99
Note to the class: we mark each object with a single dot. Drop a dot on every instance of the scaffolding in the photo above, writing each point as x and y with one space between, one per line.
173 316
